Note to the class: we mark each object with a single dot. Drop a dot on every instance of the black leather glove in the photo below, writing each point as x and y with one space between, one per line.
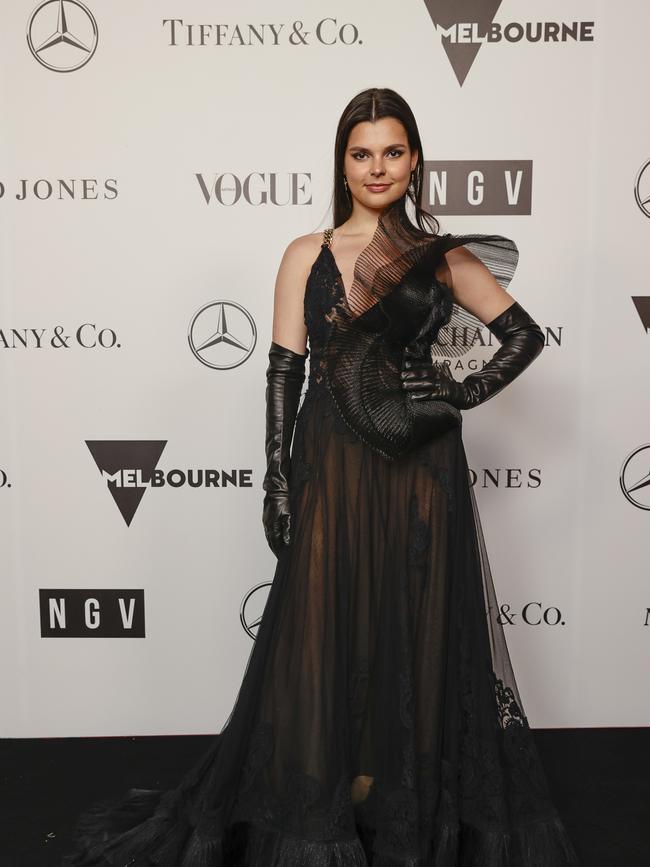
521 342
284 376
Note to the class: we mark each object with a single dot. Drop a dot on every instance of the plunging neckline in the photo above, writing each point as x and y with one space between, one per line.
344 291
345 298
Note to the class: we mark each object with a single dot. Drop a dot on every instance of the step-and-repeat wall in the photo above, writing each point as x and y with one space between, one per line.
157 158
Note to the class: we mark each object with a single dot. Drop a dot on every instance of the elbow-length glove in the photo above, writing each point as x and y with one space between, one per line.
521 341
284 376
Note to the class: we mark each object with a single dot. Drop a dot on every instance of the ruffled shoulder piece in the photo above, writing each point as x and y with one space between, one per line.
397 307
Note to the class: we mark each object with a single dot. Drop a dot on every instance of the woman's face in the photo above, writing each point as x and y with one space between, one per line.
378 162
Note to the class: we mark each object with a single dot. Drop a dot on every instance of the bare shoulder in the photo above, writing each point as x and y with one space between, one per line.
460 255
296 264
304 249
298 259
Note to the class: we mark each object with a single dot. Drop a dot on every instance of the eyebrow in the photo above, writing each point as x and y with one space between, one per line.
387 148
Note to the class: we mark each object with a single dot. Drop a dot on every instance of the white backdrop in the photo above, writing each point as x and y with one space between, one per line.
110 220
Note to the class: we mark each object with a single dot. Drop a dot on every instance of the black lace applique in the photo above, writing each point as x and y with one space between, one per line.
299 808
406 716
301 793
510 713
430 783
322 307
419 533
482 769
429 458
398 832
341 823
301 469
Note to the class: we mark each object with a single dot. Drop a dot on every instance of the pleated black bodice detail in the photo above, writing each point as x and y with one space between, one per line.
395 309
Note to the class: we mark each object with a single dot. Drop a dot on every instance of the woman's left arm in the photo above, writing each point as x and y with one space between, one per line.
473 286
476 289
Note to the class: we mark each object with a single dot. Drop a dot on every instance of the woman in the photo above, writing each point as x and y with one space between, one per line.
378 721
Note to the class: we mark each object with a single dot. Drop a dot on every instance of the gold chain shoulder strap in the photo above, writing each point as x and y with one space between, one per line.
327 236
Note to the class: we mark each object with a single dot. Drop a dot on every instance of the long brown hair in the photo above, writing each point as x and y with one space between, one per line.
371 105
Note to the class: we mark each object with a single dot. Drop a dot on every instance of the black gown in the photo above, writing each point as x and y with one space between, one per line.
378 721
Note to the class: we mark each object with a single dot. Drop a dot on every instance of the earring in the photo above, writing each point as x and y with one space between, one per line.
411 186
345 181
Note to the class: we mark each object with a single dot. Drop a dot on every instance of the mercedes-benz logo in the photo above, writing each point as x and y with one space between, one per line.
252 608
635 477
642 188
62 34
222 334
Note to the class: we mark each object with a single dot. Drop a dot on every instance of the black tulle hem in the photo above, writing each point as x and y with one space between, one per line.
139 831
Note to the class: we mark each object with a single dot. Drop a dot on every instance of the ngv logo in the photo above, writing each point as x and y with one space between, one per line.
92 613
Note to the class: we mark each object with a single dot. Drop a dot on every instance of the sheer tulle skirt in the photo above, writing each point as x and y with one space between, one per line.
378 721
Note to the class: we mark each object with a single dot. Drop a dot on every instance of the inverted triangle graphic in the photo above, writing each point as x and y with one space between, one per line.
113 456
642 304
446 13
